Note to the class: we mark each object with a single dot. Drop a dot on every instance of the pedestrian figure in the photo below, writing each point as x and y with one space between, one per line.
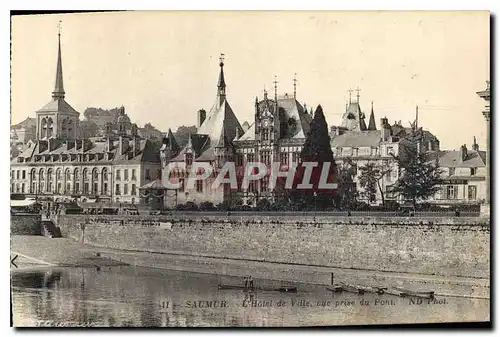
246 282
250 282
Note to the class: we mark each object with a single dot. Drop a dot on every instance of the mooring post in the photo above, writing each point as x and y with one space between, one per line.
332 279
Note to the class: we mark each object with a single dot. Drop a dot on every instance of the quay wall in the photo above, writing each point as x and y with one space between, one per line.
25 224
432 246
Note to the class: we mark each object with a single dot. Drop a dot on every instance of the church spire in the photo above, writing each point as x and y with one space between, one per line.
371 123
221 84
58 92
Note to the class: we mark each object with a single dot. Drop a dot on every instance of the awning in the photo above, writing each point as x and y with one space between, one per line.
22 203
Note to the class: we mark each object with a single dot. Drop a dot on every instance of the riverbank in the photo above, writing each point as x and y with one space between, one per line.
42 252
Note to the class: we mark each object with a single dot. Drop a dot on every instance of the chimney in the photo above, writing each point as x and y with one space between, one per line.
123 145
385 129
463 152
109 144
51 144
202 114
136 145
475 146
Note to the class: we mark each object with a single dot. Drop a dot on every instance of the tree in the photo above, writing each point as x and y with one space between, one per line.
88 129
347 194
369 179
317 149
182 134
420 176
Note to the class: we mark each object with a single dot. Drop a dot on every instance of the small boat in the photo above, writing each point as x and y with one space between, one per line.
284 289
351 288
395 292
336 288
421 294
358 289
228 286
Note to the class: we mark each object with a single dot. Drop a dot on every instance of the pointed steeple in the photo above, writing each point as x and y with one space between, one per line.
58 92
371 123
171 142
221 83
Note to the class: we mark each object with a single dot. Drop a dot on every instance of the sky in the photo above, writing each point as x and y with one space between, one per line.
163 66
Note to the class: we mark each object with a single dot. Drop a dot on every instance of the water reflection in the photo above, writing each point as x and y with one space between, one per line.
127 296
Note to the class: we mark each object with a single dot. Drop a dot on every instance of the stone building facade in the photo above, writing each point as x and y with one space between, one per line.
276 135
60 165
355 144
464 175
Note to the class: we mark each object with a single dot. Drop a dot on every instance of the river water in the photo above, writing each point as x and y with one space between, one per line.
141 297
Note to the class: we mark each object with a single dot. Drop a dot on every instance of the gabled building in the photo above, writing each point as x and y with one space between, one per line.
61 165
277 134
353 144
464 176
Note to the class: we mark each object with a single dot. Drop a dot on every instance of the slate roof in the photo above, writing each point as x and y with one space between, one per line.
28 122
220 118
146 153
367 138
199 144
58 105
289 108
453 158
371 123
170 142
355 111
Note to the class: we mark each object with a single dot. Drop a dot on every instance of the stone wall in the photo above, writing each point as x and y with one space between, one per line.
25 224
432 246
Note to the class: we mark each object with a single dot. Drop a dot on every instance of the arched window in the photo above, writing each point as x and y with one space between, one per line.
76 181
64 127
33 174
50 127
42 174
43 127
67 175
85 174
105 174
58 174
50 172
95 174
